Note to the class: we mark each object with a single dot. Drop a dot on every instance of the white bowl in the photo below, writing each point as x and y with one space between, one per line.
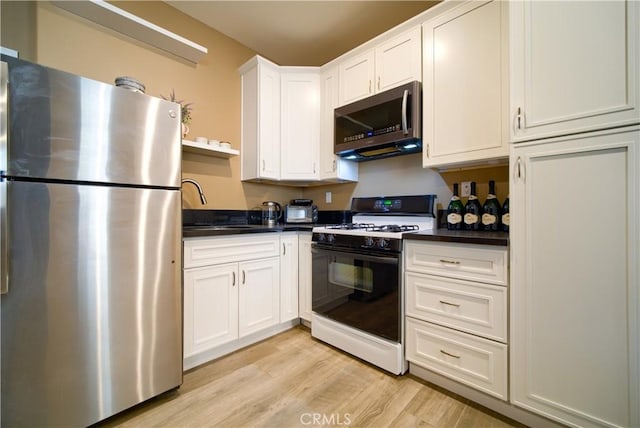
225 145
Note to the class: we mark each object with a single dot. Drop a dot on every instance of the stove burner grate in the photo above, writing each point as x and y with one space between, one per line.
370 227
352 226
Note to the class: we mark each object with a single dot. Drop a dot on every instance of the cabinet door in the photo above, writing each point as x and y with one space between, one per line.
304 276
288 277
259 295
574 285
332 167
574 66
465 85
269 122
356 77
398 61
260 117
300 125
210 307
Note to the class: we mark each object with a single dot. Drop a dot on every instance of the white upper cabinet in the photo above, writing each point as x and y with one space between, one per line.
390 64
260 120
465 85
398 61
574 66
300 123
332 167
356 77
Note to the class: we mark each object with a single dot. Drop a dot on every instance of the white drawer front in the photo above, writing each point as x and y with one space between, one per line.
469 306
471 360
211 251
485 263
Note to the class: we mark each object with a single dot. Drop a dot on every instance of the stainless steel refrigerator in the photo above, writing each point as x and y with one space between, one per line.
91 247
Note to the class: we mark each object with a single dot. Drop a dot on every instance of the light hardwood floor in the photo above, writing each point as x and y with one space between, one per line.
293 380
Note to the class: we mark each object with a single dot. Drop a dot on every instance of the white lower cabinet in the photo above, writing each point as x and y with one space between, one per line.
468 359
232 291
259 295
210 307
289 276
575 292
456 312
304 276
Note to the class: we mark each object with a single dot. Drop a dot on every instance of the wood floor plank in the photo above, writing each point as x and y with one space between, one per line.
294 380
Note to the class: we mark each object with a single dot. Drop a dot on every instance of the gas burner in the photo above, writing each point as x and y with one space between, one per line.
352 226
394 228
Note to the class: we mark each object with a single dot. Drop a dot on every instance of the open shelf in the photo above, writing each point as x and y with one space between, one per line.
110 16
208 150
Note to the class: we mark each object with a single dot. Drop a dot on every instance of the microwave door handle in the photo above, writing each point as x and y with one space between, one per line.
405 97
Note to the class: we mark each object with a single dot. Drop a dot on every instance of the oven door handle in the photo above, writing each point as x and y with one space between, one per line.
391 259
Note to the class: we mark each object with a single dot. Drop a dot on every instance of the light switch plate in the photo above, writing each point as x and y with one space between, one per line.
327 197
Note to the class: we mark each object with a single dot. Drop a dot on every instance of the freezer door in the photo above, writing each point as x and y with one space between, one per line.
92 322
66 127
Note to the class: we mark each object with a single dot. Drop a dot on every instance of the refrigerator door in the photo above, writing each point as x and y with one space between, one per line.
92 322
67 127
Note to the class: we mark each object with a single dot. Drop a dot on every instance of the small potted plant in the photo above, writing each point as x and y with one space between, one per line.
185 111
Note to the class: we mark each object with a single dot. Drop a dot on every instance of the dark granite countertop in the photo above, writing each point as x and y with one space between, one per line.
465 237
222 230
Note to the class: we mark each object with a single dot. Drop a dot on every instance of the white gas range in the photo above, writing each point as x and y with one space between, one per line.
357 296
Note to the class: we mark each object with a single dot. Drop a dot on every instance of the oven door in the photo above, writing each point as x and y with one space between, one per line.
358 289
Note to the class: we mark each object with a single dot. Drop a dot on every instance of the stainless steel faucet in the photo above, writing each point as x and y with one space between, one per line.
195 183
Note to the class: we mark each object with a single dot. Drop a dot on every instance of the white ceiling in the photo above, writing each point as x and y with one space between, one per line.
301 32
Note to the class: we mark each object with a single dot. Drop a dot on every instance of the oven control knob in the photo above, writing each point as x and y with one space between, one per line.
383 243
331 238
321 237
368 242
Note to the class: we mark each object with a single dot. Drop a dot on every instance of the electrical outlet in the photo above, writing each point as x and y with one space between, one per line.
327 197
465 189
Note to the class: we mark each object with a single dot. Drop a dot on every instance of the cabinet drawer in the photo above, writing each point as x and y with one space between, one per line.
484 263
469 306
471 360
211 251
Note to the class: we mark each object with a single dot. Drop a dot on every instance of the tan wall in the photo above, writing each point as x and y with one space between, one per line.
73 44
15 17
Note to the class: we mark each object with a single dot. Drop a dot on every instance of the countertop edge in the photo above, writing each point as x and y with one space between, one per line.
443 235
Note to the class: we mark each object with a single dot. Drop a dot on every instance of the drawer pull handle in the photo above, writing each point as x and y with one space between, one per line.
450 262
449 303
449 354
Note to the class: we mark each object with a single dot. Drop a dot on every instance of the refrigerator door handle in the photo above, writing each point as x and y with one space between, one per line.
4 107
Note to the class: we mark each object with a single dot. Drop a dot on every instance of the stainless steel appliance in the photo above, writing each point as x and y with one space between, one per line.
271 213
382 125
357 297
307 213
91 247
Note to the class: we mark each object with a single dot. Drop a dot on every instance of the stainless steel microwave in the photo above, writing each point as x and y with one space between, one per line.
382 125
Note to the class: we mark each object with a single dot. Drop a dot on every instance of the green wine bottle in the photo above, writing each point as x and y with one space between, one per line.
505 215
472 210
455 210
491 210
